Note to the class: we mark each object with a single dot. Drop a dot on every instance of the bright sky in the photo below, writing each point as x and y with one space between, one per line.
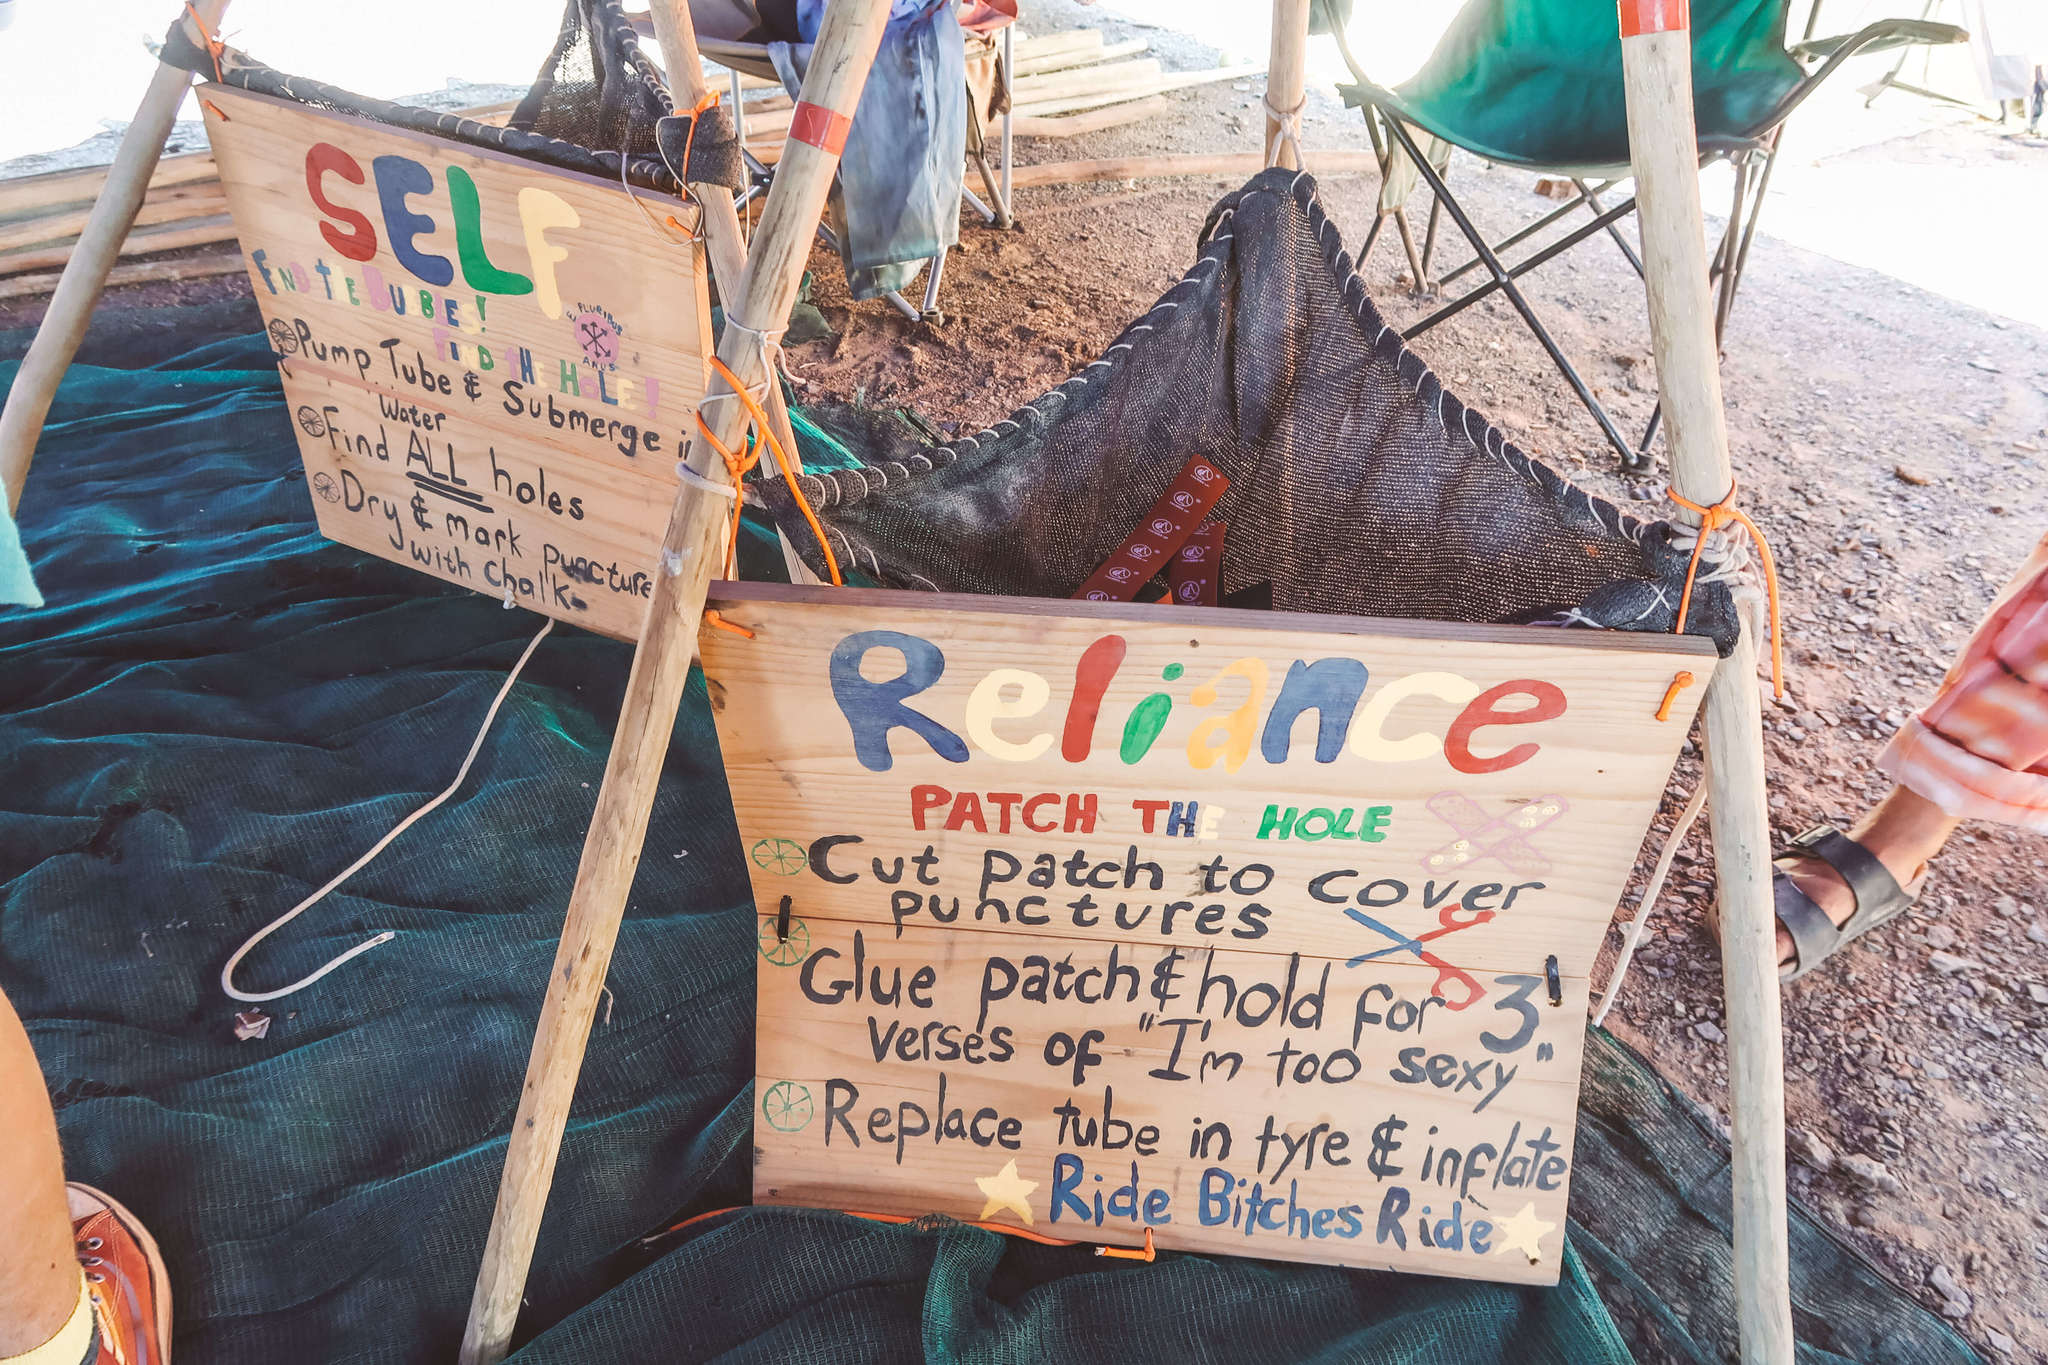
67 67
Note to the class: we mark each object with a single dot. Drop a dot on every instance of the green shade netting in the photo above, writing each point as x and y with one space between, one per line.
218 709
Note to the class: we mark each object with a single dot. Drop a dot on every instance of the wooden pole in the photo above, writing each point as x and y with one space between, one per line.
85 274
690 553
723 241
1286 81
1656 53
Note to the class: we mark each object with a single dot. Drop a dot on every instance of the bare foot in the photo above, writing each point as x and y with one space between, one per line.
1903 831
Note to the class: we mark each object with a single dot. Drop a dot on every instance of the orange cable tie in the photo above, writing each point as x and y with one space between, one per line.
712 618
767 431
1713 518
1679 682
214 46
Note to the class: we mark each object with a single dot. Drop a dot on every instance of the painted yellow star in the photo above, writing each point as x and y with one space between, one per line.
1524 1232
1007 1190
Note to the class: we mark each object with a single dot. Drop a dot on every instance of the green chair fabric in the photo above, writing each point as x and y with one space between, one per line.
1538 82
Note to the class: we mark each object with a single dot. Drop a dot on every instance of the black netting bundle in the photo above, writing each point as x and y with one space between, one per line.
598 101
1358 483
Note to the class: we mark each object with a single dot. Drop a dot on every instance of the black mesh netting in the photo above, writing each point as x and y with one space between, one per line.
597 101
1359 484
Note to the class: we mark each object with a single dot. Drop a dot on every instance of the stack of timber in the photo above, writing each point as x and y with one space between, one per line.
1065 84
42 215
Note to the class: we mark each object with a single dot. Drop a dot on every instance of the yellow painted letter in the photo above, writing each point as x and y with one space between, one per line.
1367 741
1228 737
986 705
540 210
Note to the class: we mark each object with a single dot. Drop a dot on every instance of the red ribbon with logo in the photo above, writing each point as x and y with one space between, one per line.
1160 535
1195 578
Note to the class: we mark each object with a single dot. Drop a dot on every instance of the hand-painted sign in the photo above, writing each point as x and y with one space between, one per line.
1266 933
492 366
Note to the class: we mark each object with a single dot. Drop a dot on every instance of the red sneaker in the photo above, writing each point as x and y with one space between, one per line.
124 1274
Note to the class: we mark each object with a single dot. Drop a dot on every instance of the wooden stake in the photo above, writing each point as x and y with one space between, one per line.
56 341
654 689
722 238
1657 66
1286 80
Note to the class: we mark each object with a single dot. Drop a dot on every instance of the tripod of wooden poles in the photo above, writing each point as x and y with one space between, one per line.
759 285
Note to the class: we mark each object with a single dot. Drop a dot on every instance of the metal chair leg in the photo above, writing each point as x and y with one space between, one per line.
1507 285
932 278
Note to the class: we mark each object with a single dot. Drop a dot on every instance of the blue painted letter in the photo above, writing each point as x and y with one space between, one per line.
397 177
1331 687
872 710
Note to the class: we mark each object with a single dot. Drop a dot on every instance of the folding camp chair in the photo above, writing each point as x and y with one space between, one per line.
1538 85
732 34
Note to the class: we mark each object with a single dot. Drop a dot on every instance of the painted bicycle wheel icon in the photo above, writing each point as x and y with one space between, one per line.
784 952
311 421
283 338
787 1106
784 857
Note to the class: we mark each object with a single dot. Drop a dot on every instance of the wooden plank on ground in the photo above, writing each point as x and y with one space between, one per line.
493 391
1240 927
29 194
137 272
1320 162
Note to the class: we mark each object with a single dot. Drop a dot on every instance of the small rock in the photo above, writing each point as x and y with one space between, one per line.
1908 474
1812 1150
1870 1171
1940 937
1934 1071
1706 1029
2037 932
1955 1298
1038 303
2000 1342
1980 363
1948 964
2037 993
2006 906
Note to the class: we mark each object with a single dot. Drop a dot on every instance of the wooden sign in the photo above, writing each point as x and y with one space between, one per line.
492 366
1267 933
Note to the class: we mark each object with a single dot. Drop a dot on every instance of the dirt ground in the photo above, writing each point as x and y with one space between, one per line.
1889 440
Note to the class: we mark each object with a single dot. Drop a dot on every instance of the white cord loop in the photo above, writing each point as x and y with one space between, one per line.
227 973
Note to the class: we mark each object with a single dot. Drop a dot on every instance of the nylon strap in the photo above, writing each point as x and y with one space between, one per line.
1195 578
1160 534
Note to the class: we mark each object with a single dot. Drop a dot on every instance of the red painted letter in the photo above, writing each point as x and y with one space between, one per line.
1482 710
1092 677
361 243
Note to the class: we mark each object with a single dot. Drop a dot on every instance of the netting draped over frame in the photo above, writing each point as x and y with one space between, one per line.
597 99
1358 483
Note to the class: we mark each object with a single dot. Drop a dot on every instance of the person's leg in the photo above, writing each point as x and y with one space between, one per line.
1978 751
39 1273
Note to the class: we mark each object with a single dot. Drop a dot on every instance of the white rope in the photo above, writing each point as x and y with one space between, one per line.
1287 128
1632 932
227 973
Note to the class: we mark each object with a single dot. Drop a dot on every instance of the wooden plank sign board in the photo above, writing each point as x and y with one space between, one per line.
1236 926
492 366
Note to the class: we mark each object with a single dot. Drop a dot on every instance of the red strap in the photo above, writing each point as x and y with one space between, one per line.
819 126
1162 532
1653 16
1195 578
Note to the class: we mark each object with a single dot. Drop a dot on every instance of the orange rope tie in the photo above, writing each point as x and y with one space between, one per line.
1147 1253
214 45
1713 518
1679 682
713 619
759 420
